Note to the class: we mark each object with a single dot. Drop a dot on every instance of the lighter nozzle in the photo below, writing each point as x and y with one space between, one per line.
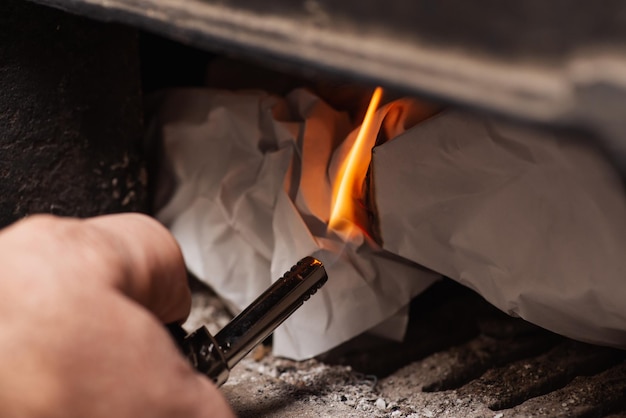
268 311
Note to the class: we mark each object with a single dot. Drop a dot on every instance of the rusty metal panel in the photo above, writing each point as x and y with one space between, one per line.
561 63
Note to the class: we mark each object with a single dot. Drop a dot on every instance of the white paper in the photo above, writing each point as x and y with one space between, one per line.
219 215
534 222
251 178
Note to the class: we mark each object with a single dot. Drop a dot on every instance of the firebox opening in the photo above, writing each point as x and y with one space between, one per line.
456 344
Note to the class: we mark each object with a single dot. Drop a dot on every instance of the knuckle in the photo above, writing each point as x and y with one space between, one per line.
73 237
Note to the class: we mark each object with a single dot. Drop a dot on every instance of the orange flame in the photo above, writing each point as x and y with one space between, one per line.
353 170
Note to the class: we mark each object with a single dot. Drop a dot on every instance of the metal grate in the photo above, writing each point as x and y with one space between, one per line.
503 363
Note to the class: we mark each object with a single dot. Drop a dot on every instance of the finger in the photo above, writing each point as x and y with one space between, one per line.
219 407
155 358
154 273
130 252
152 357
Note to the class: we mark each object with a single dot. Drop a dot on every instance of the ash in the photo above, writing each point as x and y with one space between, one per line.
262 385
207 309
502 367
273 387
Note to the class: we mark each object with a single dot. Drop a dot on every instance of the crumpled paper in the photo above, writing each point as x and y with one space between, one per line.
249 180
535 222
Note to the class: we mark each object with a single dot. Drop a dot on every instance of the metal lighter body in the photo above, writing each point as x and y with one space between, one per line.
216 356
205 355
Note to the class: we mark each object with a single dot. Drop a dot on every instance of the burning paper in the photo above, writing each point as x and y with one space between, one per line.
533 221
253 193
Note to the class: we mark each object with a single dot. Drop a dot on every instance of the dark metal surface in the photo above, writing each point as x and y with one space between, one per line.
533 29
559 62
205 355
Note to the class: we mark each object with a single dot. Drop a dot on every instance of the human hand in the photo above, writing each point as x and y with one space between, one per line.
82 304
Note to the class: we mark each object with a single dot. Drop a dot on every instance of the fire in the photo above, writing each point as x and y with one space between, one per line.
348 188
